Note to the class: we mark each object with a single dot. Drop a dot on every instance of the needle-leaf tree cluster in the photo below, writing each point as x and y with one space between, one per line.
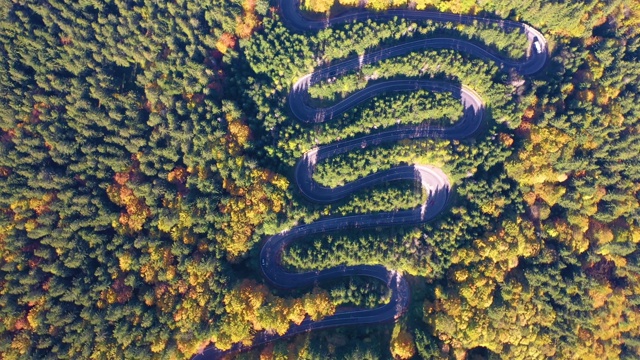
146 148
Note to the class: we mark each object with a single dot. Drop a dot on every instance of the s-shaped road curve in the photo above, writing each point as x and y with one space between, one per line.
433 180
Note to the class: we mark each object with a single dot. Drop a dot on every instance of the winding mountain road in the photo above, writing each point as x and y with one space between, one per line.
433 180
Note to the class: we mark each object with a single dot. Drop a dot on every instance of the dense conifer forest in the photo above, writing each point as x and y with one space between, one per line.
147 149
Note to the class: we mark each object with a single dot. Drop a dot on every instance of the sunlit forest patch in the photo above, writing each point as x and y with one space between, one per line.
147 151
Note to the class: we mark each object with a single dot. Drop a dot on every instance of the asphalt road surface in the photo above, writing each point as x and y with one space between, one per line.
433 180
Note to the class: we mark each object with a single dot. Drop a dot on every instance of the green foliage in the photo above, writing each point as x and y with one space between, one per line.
115 144
555 179
142 151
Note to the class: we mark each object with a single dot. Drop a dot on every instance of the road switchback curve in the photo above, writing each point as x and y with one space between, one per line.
433 180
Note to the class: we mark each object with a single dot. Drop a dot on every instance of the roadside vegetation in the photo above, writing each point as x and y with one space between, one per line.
146 150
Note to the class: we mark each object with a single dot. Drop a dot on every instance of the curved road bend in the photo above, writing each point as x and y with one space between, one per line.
433 180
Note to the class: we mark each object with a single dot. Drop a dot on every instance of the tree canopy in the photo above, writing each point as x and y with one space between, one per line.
146 150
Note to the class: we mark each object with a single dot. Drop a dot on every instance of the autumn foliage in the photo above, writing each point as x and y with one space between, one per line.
135 212
454 6
249 20
402 345
254 197
251 307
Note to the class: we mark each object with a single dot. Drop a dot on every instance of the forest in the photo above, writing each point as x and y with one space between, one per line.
147 150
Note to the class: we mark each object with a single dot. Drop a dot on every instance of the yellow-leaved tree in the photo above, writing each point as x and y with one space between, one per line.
250 307
402 344
320 6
